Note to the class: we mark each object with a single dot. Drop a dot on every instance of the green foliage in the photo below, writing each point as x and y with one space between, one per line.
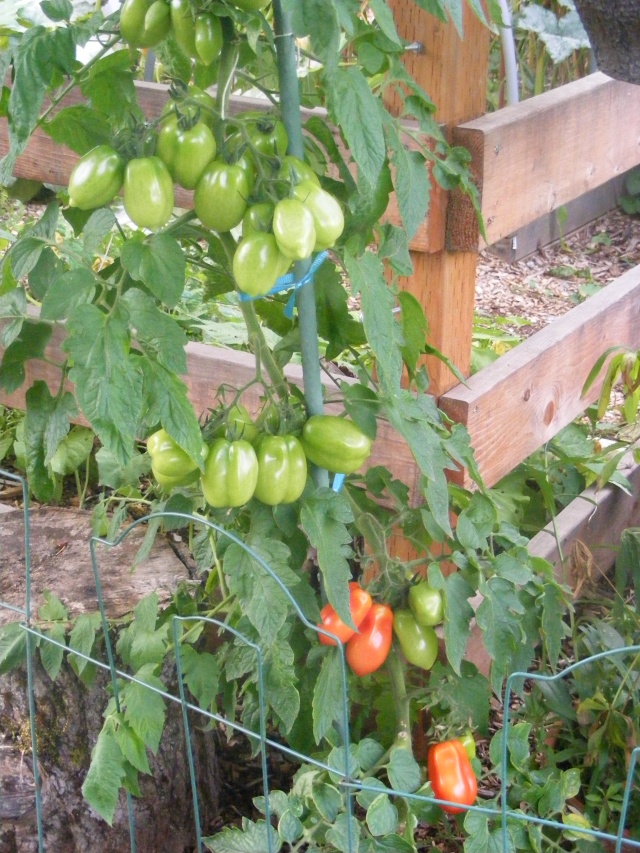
125 302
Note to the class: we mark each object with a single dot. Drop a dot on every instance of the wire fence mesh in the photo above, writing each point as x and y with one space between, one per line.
262 742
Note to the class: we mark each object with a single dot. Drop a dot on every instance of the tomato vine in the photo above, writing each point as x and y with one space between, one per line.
270 192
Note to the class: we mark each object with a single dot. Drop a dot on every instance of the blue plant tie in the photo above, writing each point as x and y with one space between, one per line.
338 480
288 281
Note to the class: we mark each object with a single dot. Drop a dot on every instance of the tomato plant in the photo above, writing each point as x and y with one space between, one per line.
270 191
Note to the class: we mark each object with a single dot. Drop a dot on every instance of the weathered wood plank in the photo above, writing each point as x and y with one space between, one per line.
208 367
522 400
532 158
46 161
454 72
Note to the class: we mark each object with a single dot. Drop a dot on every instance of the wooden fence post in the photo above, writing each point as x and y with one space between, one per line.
453 71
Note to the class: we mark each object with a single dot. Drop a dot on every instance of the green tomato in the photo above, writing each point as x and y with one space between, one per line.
148 192
144 23
258 219
185 153
258 264
294 229
294 170
238 424
230 473
327 213
336 444
96 178
269 137
157 22
419 643
206 103
282 470
183 23
220 199
426 604
208 38
170 465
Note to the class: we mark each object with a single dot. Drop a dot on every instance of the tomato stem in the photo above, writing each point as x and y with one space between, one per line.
395 668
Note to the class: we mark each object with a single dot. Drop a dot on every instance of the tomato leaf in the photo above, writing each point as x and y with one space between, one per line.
252 838
327 695
110 87
108 385
357 112
382 816
46 424
324 516
101 786
160 264
383 332
71 289
159 335
79 127
280 683
411 182
52 654
165 402
201 674
31 342
145 708
13 646
42 53
82 638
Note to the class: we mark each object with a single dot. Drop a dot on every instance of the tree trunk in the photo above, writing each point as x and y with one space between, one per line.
69 714
613 27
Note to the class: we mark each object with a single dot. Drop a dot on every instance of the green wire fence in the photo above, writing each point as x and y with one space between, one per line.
350 787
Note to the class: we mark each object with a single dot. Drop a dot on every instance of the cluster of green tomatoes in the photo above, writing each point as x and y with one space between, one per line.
145 23
238 169
272 468
284 213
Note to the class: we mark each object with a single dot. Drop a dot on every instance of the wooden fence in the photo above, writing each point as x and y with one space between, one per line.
528 159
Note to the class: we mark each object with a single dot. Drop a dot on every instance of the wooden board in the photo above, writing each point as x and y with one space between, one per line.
45 160
532 158
453 70
522 400
549 228
208 367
